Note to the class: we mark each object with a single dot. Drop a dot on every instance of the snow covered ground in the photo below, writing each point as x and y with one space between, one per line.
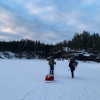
24 80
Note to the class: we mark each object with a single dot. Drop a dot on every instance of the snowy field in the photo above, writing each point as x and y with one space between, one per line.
24 80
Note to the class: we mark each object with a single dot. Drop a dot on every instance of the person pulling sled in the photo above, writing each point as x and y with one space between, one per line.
50 76
51 64
73 64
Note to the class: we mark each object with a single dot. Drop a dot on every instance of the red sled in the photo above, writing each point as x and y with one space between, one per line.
49 78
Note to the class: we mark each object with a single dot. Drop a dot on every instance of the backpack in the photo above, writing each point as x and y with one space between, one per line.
73 64
51 61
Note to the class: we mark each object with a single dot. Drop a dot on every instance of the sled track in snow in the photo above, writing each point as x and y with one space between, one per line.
43 93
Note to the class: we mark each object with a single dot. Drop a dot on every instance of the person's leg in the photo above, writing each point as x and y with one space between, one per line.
52 69
72 72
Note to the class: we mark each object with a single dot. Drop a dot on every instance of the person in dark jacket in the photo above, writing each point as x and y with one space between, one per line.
72 66
51 63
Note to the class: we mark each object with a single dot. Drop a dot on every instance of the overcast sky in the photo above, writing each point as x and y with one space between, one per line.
49 21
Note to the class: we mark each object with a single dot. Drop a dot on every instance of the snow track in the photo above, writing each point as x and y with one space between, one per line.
39 93
25 80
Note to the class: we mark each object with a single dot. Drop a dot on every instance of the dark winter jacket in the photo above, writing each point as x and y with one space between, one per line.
51 62
72 64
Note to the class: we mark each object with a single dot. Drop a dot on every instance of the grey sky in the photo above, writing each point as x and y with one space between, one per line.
49 21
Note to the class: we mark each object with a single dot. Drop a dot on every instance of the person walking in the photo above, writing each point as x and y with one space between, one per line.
73 64
51 63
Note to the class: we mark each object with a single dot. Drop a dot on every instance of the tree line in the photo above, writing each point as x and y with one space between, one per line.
26 46
85 40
